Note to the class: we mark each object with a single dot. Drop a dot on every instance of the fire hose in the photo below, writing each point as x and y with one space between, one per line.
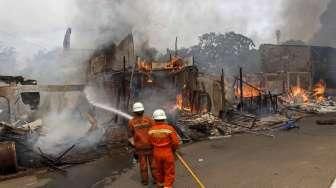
191 172
184 163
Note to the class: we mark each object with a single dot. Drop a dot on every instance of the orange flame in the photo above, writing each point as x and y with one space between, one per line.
175 64
144 66
299 94
248 92
179 101
180 105
319 91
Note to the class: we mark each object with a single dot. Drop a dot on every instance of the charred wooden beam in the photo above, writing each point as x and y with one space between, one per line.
223 91
176 47
58 159
49 88
248 84
241 88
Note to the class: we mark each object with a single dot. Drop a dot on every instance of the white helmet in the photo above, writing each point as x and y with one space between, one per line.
159 114
138 107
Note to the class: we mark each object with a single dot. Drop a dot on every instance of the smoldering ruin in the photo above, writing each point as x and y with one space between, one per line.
71 105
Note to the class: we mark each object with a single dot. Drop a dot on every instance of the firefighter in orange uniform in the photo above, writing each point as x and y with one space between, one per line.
139 126
165 141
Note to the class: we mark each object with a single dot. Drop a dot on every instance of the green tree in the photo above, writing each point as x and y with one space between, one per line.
229 51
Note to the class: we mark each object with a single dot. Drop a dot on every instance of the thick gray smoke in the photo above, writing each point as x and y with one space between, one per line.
326 35
300 19
160 21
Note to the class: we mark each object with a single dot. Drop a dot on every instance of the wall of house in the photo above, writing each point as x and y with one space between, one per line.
111 58
286 58
285 66
211 85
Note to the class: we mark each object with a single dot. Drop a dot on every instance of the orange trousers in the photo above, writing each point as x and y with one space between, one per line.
145 161
165 167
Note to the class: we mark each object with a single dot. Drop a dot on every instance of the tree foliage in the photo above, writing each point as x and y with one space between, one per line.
229 51
229 43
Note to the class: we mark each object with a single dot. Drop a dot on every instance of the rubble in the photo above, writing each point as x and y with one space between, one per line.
200 126
207 126
8 159
328 105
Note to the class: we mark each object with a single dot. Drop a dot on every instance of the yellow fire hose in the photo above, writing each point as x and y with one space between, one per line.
184 163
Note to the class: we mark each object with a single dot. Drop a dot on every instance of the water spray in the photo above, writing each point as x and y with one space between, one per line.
90 99
111 109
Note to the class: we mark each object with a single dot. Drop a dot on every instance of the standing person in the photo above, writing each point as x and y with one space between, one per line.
139 126
165 141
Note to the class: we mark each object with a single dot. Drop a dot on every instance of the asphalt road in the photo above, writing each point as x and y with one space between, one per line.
302 158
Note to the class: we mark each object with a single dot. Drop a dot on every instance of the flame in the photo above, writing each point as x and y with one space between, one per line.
179 101
144 66
175 64
319 91
248 91
180 105
299 94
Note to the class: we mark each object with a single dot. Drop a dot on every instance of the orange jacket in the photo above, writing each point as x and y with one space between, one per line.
139 127
163 137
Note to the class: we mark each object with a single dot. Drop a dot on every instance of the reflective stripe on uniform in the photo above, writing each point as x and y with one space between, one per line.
141 125
158 131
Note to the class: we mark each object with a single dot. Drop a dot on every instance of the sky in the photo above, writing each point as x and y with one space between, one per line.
32 25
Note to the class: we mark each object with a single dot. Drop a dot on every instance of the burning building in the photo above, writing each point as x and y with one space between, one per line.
297 74
287 66
169 84
172 84
301 73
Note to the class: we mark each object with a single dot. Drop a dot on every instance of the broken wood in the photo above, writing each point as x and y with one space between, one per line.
50 163
63 154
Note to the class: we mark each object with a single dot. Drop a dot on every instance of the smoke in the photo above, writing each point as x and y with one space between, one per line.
301 19
326 35
94 22
58 67
159 22
63 113
65 123
63 129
